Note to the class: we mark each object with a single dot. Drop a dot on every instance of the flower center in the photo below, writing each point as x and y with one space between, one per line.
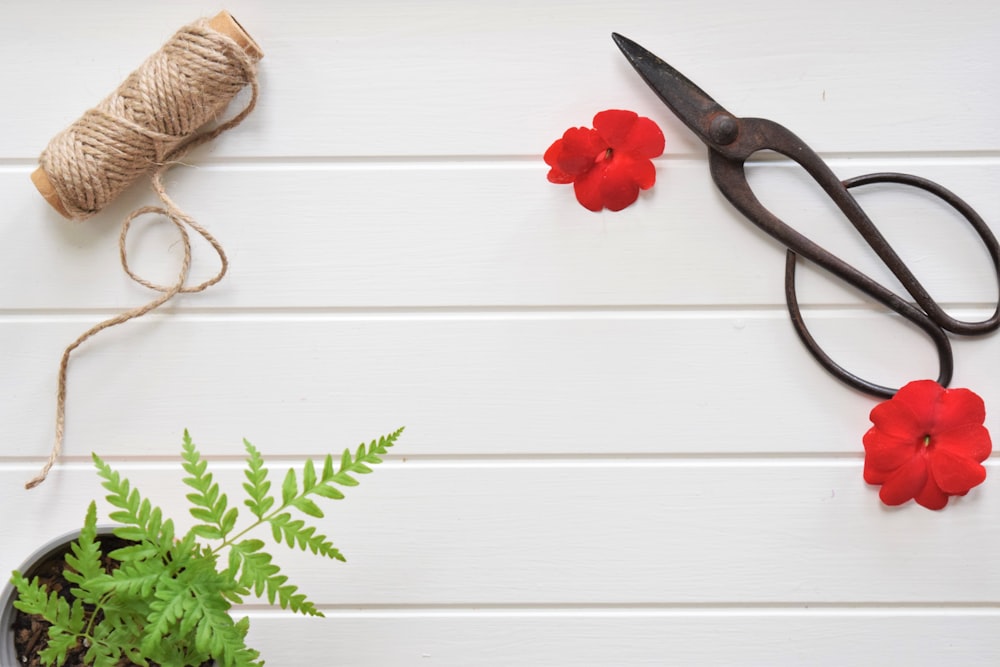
605 156
927 440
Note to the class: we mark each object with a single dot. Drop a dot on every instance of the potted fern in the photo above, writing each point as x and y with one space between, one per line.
166 598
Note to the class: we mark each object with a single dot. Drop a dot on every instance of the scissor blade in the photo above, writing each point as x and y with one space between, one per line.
689 102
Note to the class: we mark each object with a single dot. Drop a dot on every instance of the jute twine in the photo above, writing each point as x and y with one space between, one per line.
146 126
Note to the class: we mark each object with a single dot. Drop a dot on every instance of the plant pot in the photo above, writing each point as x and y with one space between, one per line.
30 567
8 653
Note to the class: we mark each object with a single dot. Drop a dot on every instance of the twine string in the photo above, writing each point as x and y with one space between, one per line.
136 132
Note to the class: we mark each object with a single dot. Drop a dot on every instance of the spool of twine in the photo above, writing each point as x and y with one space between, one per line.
164 109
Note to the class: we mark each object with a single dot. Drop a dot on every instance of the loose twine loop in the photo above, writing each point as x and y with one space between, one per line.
149 123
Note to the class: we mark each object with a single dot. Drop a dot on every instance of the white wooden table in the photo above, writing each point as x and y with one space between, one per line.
617 452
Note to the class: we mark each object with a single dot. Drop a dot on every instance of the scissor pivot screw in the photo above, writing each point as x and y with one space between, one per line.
724 129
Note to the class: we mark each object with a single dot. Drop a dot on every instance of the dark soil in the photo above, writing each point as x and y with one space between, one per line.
31 632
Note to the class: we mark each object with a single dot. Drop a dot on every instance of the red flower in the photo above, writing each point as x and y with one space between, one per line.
927 443
609 164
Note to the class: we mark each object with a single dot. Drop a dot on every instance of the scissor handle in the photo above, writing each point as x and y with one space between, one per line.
912 285
945 358
968 328
727 165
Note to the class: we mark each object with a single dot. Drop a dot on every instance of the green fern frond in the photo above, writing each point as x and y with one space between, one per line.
132 580
257 485
258 573
102 654
250 566
67 621
83 562
171 602
360 462
225 640
289 488
134 552
295 533
142 522
34 599
209 505
58 646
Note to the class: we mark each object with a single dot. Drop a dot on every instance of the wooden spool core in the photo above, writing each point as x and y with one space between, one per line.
223 23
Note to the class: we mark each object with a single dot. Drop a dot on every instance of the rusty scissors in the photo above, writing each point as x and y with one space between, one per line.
732 140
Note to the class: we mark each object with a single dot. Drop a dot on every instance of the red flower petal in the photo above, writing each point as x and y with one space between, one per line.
957 408
616 184
640 171
623 178
644 140
971 441
556 175
627 132
614 125
589 189
898 420
955 474
905 483
884 453
575 154
931 496
921 398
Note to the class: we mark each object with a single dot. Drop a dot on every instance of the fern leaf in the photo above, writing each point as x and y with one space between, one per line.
345 460
134 552
257 486
251 567
308 476
358 464
328 491
33 598
258 573
192 607
208 503
307 506
183 606
135 580
58 645
207 532
101 654
289 488
172 602
83 562
228 523
294 532
225 640
290 598
142 522
284 529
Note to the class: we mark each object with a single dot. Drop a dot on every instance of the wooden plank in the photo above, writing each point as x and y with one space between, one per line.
601 532
721 638
345 235
510 383
507 78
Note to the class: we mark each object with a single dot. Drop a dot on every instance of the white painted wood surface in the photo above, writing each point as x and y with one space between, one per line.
616 453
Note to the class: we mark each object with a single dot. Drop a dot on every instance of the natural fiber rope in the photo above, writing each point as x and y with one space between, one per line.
148 123
150 120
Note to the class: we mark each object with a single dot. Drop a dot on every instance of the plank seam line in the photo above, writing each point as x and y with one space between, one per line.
125 463
472 312
16 164
692 610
